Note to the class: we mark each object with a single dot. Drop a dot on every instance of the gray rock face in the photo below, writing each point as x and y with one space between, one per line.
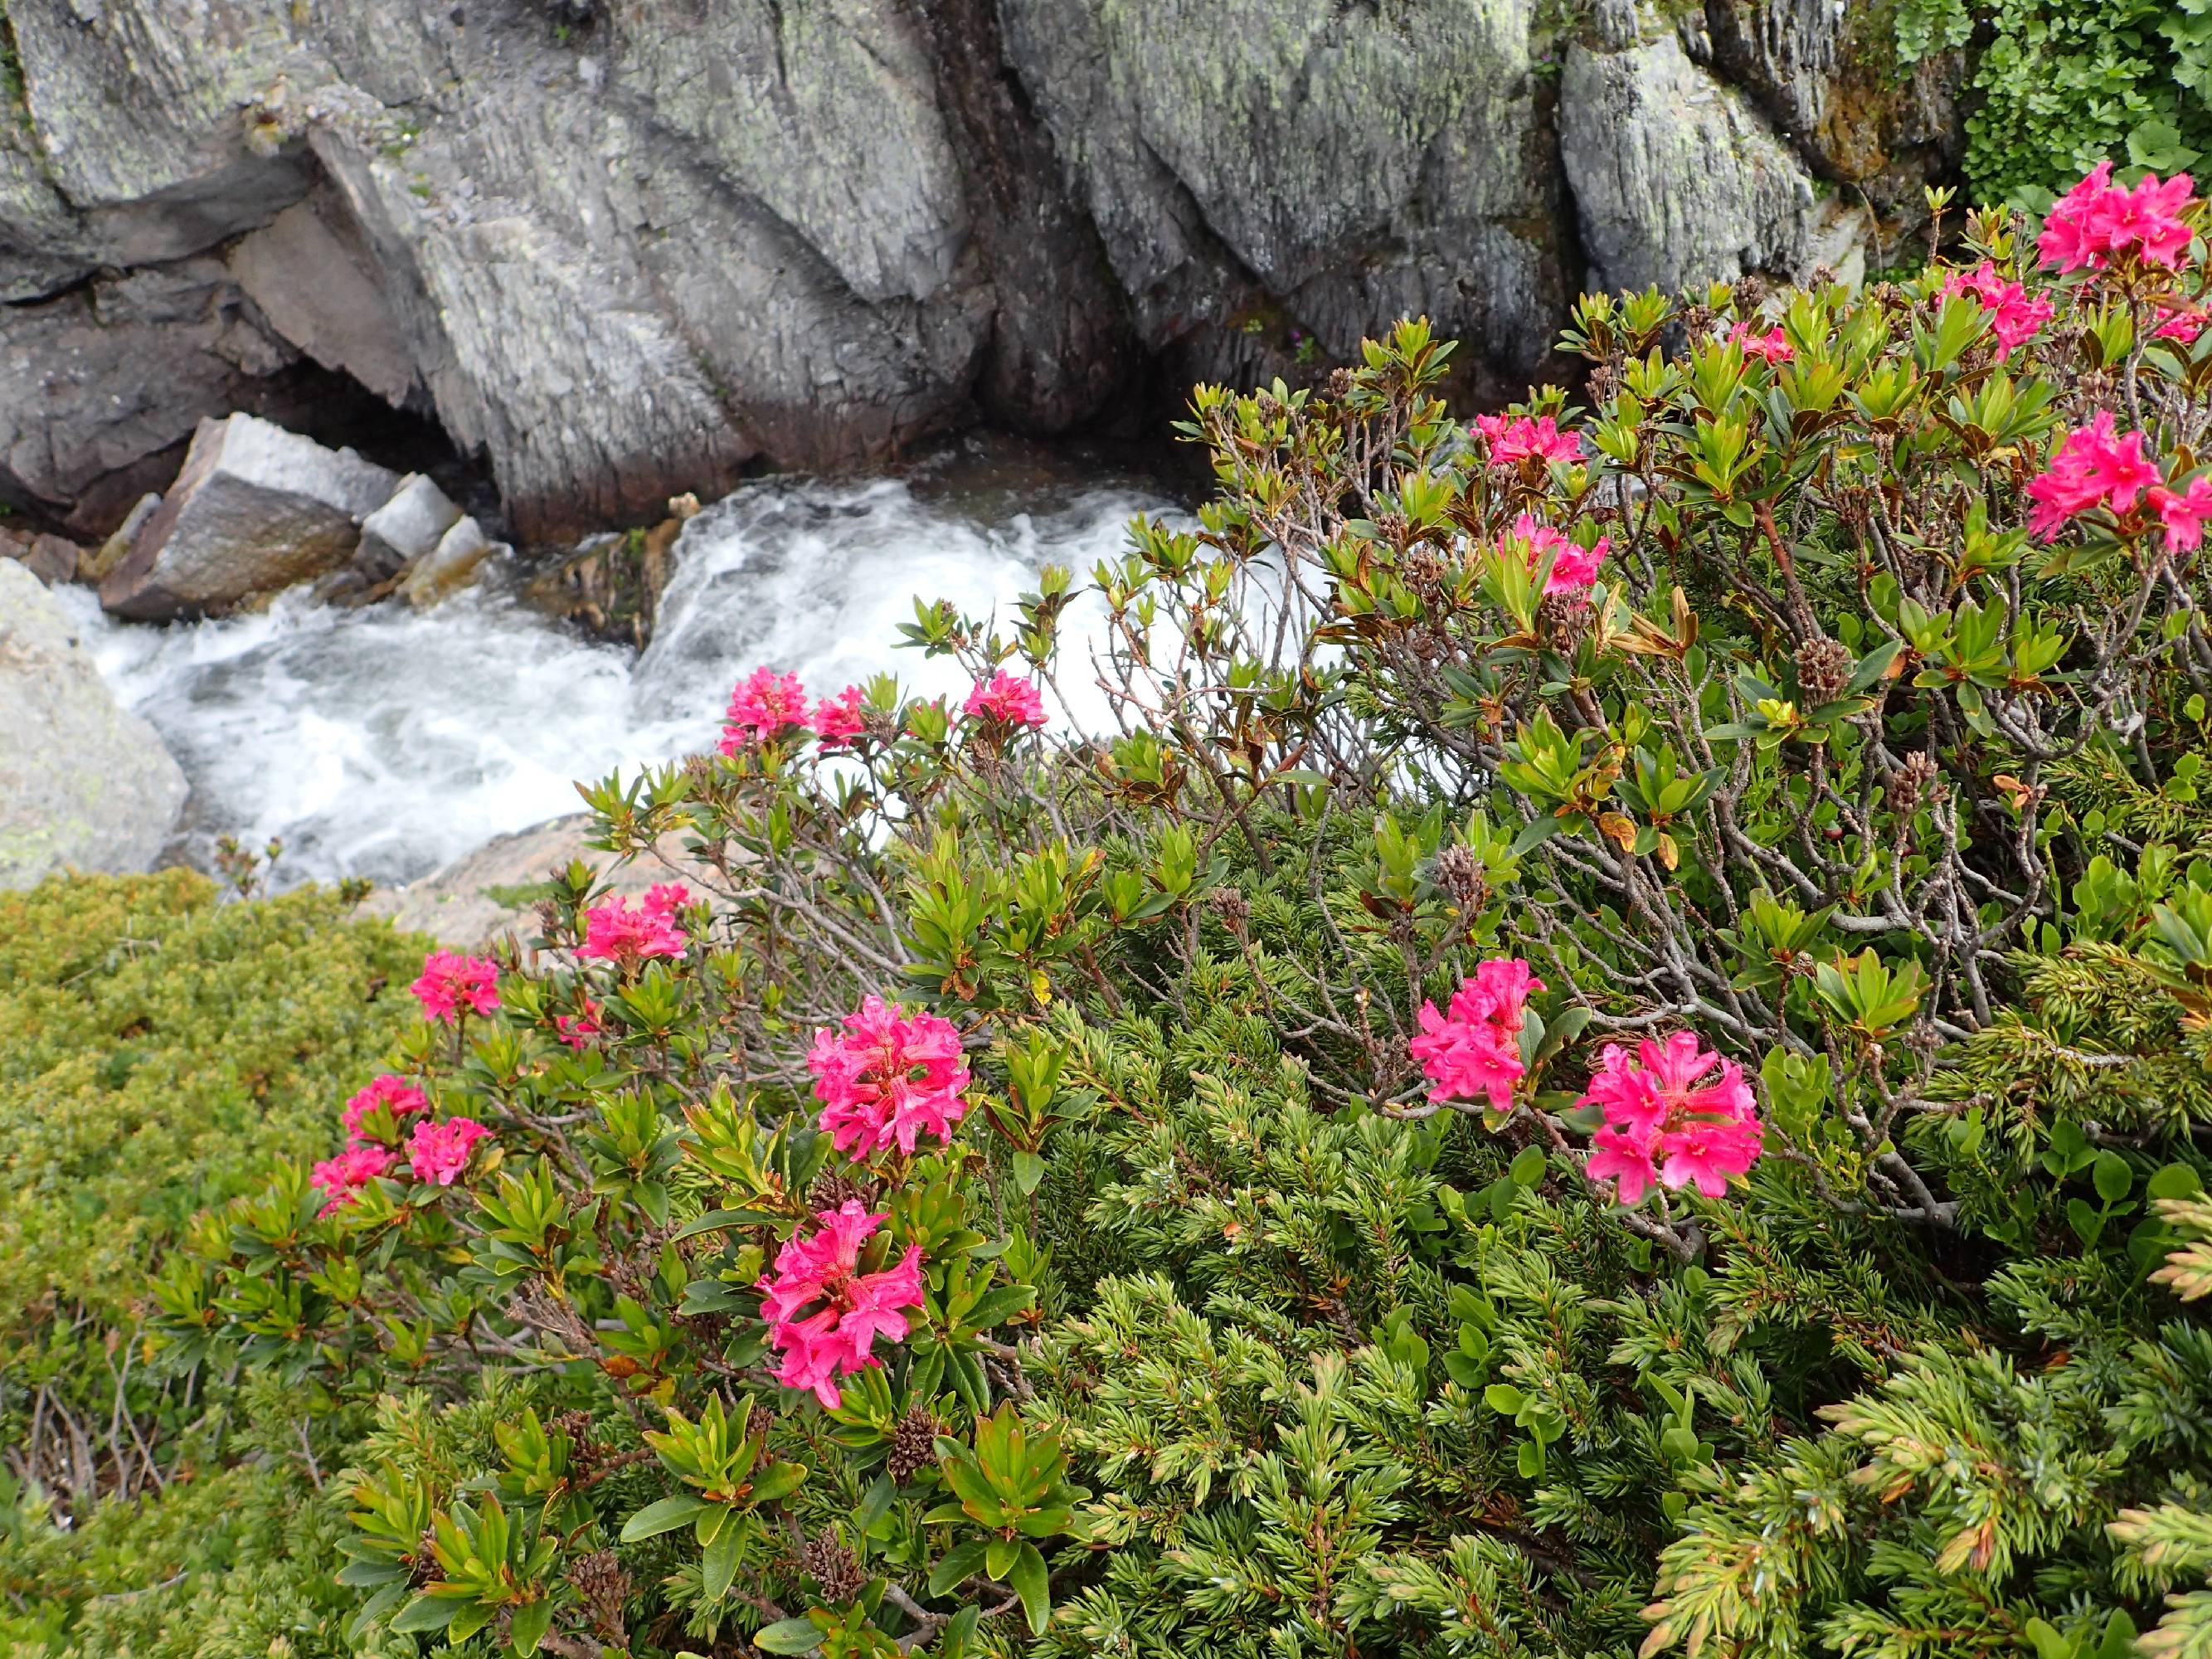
1677 178
1257 167
83 784
634 255
255 509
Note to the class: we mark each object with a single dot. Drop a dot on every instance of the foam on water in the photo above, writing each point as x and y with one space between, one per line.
383 743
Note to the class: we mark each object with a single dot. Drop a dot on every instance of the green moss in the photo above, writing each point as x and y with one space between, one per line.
162 1047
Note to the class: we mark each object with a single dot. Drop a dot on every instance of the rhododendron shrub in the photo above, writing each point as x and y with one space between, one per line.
1621 968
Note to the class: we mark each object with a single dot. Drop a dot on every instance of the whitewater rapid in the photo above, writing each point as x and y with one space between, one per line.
384 742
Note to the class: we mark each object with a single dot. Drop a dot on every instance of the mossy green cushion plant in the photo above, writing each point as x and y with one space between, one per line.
163 1046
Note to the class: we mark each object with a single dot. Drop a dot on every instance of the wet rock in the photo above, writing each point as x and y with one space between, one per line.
50 558
95 564
406 528
612 587
83 783
255 509
493 892
450 566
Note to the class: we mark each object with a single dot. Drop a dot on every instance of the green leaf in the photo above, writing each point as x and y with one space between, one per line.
377 1605
424 1612
718 1567
875 1504
2112 1175
1529 1167
997 1306
788 1636
953 1644
1029 1171
1027 1578
2174 1180
664 1515
1504 1399
469 1617
2087 1223
778 1481
961 1563
719 1220
528 1627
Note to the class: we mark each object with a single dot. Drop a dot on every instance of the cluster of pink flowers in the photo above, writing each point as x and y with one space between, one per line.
2097 221
763 703
2095 467
1007 699
1573 568
438 1153
766 703
627 934
450 980
1771 346
839 720
839 1337
342 1177
2176 324
1516 437
1665 1127
1473 1051
887 1078
395 1095
2016 317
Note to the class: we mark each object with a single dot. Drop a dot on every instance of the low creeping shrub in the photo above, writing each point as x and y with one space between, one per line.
1607 1053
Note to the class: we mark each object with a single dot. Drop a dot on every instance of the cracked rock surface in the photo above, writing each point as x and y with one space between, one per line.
641 253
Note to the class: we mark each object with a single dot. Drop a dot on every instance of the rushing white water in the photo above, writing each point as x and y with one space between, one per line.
384 742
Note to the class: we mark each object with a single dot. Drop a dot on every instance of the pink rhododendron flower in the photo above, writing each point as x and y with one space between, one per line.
1573 568
1516 438
839 720
621 932
888 1078
438 1153
1771 346
1008 699
1473 1051
350 1170
2092 467
449 979
1625 1155
839 1337
2098 219
578 1029
2183 512
395 1094
1672 1118
2174 324
2017 317
764 704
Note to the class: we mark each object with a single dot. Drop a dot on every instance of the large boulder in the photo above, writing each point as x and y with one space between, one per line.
255 509
83 784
